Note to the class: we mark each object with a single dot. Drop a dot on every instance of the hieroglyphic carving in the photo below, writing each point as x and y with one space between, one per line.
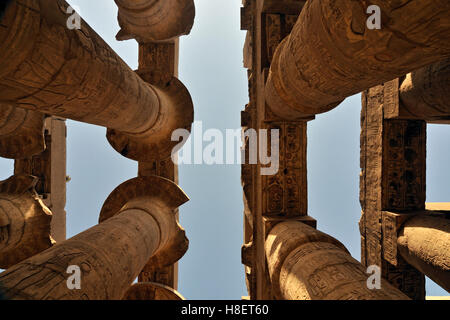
421 94
249 176
86 81
404 155
391 98
285 193
420 238
276 27
73 81
137 223
393 159
331 54
307 264
424 242
273 34
99 252
406 278
390 228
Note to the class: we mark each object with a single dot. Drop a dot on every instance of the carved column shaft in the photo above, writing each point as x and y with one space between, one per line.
158 64
21 132
424 242
69 73
110 255
154 20
24 221
424 92
306 264
47 67
100 253
331 54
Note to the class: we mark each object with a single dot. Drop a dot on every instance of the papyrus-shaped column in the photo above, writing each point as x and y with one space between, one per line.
137 225
72 73
306 264
154 20
424 242
332 54
24 221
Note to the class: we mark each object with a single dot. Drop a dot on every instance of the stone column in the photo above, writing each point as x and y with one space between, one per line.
277 194
24 221
306 264
137 224
158 64
50 169
154 20
332 54
72 73
21 132
424 92
392 179
424 242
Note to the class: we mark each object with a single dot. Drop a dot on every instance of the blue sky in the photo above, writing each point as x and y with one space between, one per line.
211 68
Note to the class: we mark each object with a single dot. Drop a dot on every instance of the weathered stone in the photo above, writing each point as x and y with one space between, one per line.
21 132
50 169
286 192
74 74
307 264
137 223
424 242
331 54
24 221
282 195
393 178
155 194
424 92
420 95
155 20
158 63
